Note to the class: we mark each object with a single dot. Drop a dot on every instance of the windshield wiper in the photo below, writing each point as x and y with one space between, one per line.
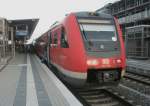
84 34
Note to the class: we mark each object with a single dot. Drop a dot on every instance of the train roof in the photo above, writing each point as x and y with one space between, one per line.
93 14
83 14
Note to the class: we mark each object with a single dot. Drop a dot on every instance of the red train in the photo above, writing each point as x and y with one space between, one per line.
85 47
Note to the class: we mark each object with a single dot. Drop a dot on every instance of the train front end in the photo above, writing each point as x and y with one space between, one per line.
104 48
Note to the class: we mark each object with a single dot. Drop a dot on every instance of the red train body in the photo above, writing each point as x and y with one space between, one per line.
85 47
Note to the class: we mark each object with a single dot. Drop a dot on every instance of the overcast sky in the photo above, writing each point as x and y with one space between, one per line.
48 11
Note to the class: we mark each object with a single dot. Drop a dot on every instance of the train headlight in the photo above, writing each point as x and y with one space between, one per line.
118 61
92 62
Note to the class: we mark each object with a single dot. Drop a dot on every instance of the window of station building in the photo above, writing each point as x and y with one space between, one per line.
21 27
1 27
64 41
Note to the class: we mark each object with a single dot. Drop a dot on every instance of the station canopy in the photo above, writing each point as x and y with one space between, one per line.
24 27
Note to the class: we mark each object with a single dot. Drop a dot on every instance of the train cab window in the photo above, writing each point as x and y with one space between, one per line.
99 35
64 41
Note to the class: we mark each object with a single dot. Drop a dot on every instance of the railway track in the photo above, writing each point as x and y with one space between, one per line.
99 97
137 82
102 97
138 78
112 97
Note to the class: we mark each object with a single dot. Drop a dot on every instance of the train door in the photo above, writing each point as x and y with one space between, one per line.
44 46
54 46
63 47
48 47
59 46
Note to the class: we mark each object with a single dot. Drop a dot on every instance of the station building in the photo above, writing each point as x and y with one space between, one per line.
134 19
13 36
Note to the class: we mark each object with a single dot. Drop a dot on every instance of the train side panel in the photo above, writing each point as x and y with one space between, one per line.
77 55
123 55
41 46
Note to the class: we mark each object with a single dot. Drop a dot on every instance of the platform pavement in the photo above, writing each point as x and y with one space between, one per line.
4 62
27 82
143 64
140 67
9 77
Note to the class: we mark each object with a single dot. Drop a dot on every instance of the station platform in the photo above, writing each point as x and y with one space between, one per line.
25 81
144 64
4 62
139 66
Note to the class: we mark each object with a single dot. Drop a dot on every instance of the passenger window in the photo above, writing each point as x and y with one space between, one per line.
64 41
50 38
55 40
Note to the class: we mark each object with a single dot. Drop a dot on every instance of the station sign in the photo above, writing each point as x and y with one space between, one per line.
21 33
